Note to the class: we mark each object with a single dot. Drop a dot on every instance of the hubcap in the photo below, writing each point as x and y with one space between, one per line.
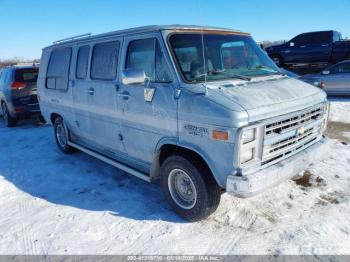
182 189
61 135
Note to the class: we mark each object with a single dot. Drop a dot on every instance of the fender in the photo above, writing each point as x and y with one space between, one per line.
155 168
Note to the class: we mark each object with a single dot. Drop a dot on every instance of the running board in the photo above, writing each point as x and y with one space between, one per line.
111 162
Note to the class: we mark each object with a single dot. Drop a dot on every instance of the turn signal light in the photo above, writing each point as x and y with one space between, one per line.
220 135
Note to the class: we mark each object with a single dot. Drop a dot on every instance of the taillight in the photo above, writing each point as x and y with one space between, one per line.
18 85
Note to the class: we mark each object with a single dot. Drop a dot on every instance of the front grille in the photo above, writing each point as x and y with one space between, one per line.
292 133
294 121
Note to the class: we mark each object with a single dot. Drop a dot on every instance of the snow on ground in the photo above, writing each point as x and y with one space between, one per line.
340 109
51 203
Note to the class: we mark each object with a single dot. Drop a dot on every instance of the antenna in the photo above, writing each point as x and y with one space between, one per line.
203 48
72 38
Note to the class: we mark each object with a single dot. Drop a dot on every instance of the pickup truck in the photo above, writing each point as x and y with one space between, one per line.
323 47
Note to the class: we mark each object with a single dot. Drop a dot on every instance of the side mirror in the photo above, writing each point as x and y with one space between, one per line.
133 76
291 44
326 72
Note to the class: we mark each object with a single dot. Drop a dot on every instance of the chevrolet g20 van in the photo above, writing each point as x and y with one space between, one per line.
203 109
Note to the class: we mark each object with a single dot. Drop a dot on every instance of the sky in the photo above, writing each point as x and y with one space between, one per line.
28 26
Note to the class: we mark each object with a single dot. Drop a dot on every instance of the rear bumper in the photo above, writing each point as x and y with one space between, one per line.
25 107
250 185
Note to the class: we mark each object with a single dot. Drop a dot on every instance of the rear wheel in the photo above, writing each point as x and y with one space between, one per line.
190 190
9 120
62 136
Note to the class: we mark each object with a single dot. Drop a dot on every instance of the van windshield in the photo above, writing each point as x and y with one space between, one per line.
225 56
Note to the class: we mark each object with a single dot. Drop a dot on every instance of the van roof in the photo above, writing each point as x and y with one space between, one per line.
142 29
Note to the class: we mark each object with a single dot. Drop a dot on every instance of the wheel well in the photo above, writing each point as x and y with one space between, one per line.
194 157
53 117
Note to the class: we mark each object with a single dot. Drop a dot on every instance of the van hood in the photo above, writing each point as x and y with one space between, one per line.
267 97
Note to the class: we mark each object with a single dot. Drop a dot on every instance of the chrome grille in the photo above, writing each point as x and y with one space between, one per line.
294 121
292 133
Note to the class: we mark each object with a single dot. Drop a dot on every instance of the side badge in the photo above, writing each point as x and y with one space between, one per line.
148 94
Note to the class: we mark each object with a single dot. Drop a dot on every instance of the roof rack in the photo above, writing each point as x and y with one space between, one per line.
72 38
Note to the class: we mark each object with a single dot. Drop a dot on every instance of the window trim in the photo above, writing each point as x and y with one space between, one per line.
88 63
116 66
69 66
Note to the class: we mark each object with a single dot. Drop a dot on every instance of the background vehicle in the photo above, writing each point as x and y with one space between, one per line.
203 109
334 80
323 47
18 93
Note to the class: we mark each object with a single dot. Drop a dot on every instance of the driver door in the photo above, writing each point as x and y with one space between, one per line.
145 118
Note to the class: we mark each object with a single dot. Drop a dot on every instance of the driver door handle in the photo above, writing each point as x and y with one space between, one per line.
125 95
91 91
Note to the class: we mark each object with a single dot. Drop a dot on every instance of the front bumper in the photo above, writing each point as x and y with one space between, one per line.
250 185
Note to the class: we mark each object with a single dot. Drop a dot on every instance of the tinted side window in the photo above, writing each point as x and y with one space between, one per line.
58 69
321 38
146 54
104 61
82 62
302 39
341 68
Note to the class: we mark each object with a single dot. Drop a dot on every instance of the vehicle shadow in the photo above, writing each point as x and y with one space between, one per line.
30 160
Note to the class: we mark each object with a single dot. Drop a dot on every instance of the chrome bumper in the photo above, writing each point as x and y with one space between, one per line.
250 185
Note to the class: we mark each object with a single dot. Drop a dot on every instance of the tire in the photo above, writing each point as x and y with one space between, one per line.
278 60
9 120
61 133
203 194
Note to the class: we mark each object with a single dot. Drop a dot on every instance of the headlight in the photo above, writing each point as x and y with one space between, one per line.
247 155
250 144
248 136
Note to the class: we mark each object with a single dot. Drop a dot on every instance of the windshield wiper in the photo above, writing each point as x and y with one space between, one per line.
269 69
223 71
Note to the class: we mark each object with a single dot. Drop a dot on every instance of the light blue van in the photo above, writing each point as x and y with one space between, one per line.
203 109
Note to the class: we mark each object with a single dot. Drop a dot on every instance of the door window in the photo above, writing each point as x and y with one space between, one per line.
58 69
341 68
104 61
146 54
82 62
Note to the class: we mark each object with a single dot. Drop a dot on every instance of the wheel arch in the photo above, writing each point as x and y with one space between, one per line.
53 117
170 147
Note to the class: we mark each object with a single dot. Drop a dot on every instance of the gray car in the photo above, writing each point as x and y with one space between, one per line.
202 109
18 93
334 80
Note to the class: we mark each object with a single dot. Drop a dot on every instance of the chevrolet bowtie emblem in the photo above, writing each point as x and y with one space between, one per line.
301 130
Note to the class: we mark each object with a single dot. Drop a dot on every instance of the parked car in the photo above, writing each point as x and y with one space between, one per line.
147 101
334 80
18 93
323 47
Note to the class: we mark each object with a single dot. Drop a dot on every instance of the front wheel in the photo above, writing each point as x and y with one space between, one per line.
191 191
62 136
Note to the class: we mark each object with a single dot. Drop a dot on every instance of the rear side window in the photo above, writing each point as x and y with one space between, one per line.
322 38
82 62
26 75
58 69
104 61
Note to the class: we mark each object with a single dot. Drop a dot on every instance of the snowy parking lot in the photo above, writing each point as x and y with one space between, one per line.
51 203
